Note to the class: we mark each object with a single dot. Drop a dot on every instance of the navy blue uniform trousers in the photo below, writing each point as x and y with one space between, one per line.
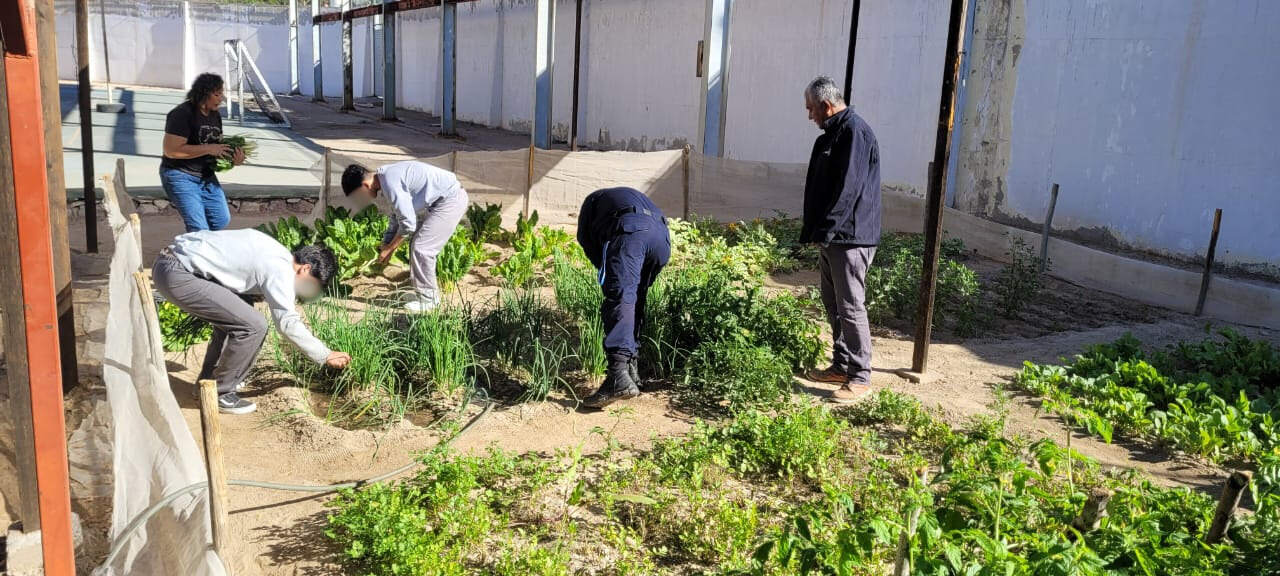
625 236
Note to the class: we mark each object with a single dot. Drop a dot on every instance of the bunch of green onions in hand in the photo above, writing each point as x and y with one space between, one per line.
236 142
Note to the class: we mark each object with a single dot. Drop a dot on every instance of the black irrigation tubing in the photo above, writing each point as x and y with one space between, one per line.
127 533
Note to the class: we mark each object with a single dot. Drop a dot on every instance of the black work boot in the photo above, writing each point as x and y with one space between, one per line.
617 385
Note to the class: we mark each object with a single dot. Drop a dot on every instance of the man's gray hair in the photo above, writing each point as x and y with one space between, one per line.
824 89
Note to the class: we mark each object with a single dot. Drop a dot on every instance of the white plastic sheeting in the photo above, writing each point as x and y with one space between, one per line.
154 453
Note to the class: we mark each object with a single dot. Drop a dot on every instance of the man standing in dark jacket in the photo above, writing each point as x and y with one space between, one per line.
625 236
842 216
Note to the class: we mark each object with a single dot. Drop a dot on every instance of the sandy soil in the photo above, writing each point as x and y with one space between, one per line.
282 533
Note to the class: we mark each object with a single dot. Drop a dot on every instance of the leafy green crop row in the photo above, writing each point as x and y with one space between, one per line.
799 490
1217 398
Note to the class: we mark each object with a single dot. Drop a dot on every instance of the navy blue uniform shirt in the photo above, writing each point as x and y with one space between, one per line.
609 212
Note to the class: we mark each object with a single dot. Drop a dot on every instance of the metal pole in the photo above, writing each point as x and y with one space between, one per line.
684 164
449 69
317 68
714 78
348 80
577 69
86 127
388 60
544 63
46 36
937 187
293 48
1048 223
240 79
1208 262
853 49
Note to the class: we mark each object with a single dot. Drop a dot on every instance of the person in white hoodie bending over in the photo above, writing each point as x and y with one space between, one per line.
205 274
426 203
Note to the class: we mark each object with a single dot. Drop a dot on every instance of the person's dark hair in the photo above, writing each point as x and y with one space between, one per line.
353 178
204 85
321 259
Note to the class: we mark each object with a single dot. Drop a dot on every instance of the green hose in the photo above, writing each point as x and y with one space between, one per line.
118 545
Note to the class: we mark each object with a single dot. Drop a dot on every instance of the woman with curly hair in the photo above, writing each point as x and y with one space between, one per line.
192 144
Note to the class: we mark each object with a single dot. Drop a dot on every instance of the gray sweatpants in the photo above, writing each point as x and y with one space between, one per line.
435 227
844 295
238 329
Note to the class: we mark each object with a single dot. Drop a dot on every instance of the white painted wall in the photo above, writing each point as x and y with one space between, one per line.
1151 114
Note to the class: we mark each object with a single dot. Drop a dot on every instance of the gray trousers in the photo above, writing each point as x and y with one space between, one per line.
238 329
844 295
434 230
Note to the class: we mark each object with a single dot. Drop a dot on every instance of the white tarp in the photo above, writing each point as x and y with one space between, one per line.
155 454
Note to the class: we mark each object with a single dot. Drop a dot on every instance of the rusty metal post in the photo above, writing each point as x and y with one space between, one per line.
1208 262
29 296
937 187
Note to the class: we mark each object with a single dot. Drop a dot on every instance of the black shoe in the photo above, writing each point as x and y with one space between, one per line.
617 385
232 403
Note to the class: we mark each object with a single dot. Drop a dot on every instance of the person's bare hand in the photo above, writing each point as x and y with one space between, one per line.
218 150
384 255
338 360
237 157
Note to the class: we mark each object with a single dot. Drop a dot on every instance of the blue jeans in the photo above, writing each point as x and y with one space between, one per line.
201 202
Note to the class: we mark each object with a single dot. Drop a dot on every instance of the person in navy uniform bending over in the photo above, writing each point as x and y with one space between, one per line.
625 236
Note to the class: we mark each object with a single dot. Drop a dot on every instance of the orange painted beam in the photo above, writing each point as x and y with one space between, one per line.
40 309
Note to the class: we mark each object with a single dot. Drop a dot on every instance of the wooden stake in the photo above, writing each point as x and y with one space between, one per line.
528 189
1208 262
1227 505
212 430
326 178
1095 508
1044 236
684 161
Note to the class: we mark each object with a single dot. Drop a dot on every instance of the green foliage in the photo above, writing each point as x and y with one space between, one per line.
236 142
534 247
733 375
179 330
893 283
1213 398
1019 282
289 232
457 257
485 222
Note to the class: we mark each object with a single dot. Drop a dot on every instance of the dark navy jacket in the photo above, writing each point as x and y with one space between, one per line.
612 211
842 189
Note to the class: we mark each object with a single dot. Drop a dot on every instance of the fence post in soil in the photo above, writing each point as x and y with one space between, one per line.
1048 220
325 179
684 163
1227 505
934 206
212 430
1208 262
1094 509
902 566
528 189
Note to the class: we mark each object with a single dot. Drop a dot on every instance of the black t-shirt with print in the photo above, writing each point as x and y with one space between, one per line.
186 121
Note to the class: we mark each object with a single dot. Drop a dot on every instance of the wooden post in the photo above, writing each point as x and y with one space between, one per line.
348 80
937 187
29 297
1227 505
684 162
325 180
1048 221
1095 508
453 161
86 127
1208 262
212 430
902 566
528 190
46 35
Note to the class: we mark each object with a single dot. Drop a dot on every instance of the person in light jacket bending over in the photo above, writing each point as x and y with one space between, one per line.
207 273
426 203
842 216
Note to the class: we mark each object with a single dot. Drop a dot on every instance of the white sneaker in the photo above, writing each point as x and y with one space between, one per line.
419 306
